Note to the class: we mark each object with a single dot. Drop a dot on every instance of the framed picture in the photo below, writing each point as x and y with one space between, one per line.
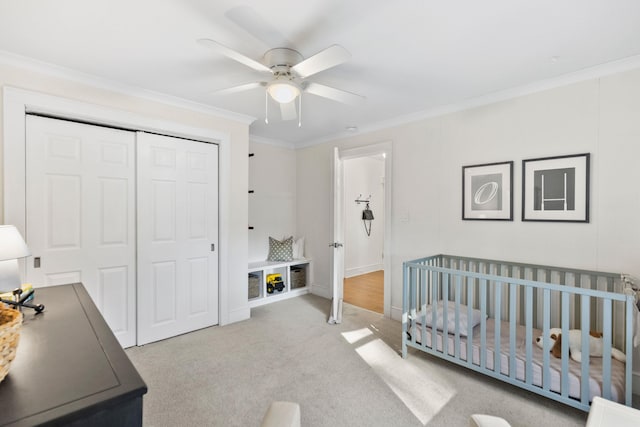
556 189
487 192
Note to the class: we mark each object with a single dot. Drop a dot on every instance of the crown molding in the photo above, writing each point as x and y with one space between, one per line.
14 60
269 141
598 71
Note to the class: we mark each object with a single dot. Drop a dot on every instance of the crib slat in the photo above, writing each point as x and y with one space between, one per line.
546 319
529 334
424 295
469 328
497 352
564 380
405 308
576 303
631 307
483 323
534 302
522 303
445 313
606 349
434 310
585 302
413 298
512 331
596 314
457 302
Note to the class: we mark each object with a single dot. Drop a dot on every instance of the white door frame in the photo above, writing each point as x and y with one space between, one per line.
384 148
337 245
18 102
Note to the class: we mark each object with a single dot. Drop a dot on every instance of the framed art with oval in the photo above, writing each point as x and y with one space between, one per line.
487 192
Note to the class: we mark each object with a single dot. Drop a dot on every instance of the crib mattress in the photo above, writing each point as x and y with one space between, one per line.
555 364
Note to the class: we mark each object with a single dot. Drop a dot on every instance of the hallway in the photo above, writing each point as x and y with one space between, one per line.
366 291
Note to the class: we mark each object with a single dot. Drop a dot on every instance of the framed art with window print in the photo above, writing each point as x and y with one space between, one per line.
487 192
556 189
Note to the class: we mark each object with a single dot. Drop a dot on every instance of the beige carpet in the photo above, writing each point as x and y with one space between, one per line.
342 375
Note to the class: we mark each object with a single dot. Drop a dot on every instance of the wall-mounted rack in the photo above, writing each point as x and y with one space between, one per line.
360 200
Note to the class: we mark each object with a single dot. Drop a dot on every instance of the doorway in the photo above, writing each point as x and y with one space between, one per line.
382 221
364 231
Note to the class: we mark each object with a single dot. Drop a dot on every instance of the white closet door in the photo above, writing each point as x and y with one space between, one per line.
177 228
81 214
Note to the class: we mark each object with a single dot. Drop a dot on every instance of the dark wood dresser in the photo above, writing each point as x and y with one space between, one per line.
70 369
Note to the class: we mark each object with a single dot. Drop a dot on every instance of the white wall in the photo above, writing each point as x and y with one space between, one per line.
363 177
272 206
85 89
599 116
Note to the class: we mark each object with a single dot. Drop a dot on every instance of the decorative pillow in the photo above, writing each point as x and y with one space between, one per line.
280 250
298 248
476 316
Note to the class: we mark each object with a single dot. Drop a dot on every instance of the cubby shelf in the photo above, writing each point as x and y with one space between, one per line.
287 270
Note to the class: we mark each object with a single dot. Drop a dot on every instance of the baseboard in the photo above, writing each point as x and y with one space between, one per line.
322 291
357 271
396 313
238 315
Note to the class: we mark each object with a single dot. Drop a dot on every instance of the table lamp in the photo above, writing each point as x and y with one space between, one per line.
12 247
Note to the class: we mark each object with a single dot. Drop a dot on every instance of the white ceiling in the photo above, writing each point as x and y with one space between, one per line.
408 56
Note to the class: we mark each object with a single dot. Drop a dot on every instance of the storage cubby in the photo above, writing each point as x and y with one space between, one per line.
298 276
271 291
295 279
255 285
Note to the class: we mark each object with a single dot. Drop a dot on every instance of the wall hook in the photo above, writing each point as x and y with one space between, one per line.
360 200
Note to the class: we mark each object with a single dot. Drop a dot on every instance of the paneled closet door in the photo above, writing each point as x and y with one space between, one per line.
177 236
81 214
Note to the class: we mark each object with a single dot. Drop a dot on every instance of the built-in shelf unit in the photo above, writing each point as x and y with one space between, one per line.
295 276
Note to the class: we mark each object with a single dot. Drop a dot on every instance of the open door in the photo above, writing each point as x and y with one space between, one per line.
338 233
337 265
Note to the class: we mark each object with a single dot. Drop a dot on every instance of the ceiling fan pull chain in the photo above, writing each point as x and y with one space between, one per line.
300 110
266 107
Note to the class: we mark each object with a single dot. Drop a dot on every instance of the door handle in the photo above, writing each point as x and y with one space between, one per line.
336 245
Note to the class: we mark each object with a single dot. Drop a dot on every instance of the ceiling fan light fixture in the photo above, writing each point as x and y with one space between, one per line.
283 91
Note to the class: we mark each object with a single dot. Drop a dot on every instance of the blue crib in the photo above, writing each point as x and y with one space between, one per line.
496 318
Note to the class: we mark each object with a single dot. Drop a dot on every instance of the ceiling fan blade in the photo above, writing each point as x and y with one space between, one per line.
288 111
330 57
236 56
239 88
334 94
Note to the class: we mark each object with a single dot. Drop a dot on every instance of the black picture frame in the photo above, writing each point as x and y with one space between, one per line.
556 189
487 192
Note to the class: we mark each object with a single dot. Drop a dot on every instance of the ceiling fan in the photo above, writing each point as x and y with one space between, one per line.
286 73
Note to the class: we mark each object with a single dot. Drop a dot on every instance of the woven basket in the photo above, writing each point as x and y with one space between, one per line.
10 323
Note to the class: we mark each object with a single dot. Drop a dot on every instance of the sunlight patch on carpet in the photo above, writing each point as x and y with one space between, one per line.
355 336
423 393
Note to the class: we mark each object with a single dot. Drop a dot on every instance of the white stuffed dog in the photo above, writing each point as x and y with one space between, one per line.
575 344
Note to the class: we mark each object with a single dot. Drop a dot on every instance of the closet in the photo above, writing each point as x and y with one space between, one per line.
131 215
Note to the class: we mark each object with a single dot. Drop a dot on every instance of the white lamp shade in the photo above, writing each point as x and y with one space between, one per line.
283 91
12 245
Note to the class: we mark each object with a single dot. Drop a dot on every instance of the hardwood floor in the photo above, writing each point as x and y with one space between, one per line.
366 291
